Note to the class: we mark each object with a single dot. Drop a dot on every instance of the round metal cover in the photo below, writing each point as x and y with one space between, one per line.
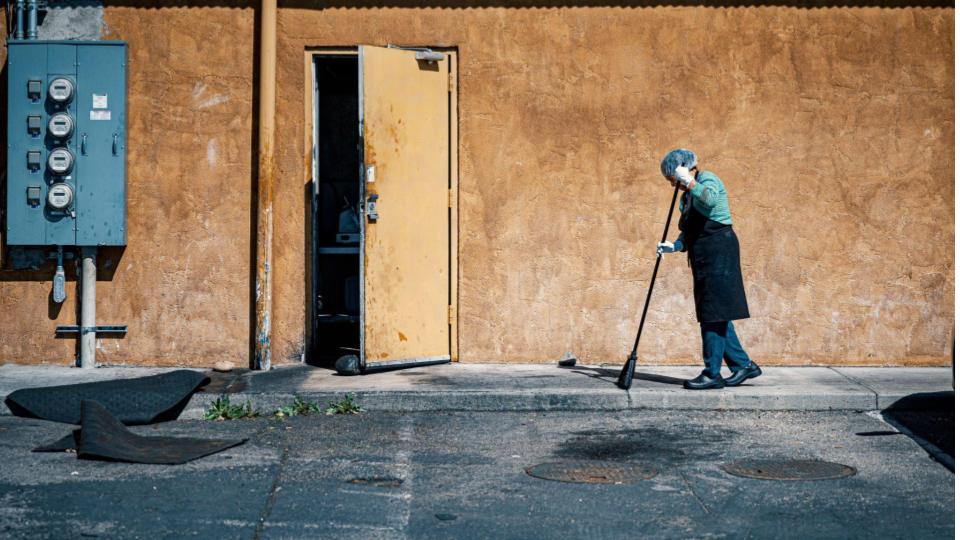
592 472
60 160
60 196
60 125
61 90
789 469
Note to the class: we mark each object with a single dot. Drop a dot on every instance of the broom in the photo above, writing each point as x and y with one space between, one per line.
626 374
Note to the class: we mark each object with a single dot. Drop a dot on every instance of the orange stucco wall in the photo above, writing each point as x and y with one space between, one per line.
182 284
831 127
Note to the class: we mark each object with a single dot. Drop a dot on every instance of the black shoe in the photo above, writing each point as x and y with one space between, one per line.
702 382
741 375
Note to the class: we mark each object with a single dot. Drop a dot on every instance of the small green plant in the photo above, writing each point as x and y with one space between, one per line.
222 409
300 407
345 406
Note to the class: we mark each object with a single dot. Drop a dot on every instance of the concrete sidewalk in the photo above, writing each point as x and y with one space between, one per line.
532 387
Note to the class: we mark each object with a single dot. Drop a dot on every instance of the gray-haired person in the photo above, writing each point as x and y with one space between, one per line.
713 253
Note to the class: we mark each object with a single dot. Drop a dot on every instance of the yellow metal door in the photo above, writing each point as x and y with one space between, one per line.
405 263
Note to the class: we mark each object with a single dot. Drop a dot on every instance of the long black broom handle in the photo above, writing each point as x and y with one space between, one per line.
666 229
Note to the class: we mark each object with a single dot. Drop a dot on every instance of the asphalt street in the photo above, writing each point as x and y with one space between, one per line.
462 475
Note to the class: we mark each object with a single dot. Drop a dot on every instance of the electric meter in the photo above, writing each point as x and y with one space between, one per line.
60 161
60 196
60 125
61 90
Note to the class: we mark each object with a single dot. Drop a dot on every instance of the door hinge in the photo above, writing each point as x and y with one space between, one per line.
450 315
449 198
449 81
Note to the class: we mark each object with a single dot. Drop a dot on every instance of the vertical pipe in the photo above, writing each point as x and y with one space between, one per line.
18 19
88 308
31 19
264 285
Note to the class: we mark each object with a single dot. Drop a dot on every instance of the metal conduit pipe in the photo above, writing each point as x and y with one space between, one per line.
31 19
265 171
88 308
18 19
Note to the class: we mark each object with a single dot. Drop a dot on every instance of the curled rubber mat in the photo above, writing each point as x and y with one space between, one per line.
143 400
103 437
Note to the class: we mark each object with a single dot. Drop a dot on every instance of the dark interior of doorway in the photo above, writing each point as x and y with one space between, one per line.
336 238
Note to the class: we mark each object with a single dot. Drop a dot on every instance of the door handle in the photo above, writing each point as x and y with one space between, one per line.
372 214
83 144
114 144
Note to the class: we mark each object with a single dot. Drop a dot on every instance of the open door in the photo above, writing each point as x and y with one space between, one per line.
405 259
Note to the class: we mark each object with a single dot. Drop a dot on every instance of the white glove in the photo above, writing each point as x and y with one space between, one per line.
665 247
682 174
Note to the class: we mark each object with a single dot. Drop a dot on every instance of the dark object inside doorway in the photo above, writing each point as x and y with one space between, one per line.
348 365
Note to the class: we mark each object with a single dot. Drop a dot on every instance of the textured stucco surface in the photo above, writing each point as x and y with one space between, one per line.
832 129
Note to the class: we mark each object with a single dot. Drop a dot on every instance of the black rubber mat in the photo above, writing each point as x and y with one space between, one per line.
103 437
143 400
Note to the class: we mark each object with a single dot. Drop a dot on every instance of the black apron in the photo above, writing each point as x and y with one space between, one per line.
713 252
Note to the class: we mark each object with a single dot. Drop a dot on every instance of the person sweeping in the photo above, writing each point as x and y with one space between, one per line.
713 253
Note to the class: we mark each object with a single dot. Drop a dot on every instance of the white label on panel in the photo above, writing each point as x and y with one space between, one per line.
370 173
99 101
99 115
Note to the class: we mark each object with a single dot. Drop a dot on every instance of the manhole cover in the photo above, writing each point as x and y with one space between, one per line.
789 469
592 472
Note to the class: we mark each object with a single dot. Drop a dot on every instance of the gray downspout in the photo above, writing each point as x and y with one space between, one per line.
88 308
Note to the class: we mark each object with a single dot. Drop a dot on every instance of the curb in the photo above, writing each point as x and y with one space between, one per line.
565 401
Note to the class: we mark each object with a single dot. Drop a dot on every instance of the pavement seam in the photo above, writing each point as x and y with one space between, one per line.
407 438
272 498
876 395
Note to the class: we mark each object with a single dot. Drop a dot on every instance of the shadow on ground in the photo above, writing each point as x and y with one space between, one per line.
648 444
929 415
612 374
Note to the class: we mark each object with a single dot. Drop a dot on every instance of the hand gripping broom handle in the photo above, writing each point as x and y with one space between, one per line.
626 374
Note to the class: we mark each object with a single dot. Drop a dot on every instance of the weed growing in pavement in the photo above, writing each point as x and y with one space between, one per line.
222 409
300 407
346 406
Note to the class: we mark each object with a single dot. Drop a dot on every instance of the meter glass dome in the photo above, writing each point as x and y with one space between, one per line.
61 90
60 125
60 161
60 196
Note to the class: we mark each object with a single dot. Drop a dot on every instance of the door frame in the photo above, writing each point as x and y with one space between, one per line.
310 138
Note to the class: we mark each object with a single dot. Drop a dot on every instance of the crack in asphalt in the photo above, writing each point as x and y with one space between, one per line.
272 497
694 493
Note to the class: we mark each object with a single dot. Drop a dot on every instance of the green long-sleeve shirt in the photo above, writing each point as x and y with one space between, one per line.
709 198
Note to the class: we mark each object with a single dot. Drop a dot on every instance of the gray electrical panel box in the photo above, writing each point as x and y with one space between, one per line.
67 143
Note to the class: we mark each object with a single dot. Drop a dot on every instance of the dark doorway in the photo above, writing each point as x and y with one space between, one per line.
336 228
